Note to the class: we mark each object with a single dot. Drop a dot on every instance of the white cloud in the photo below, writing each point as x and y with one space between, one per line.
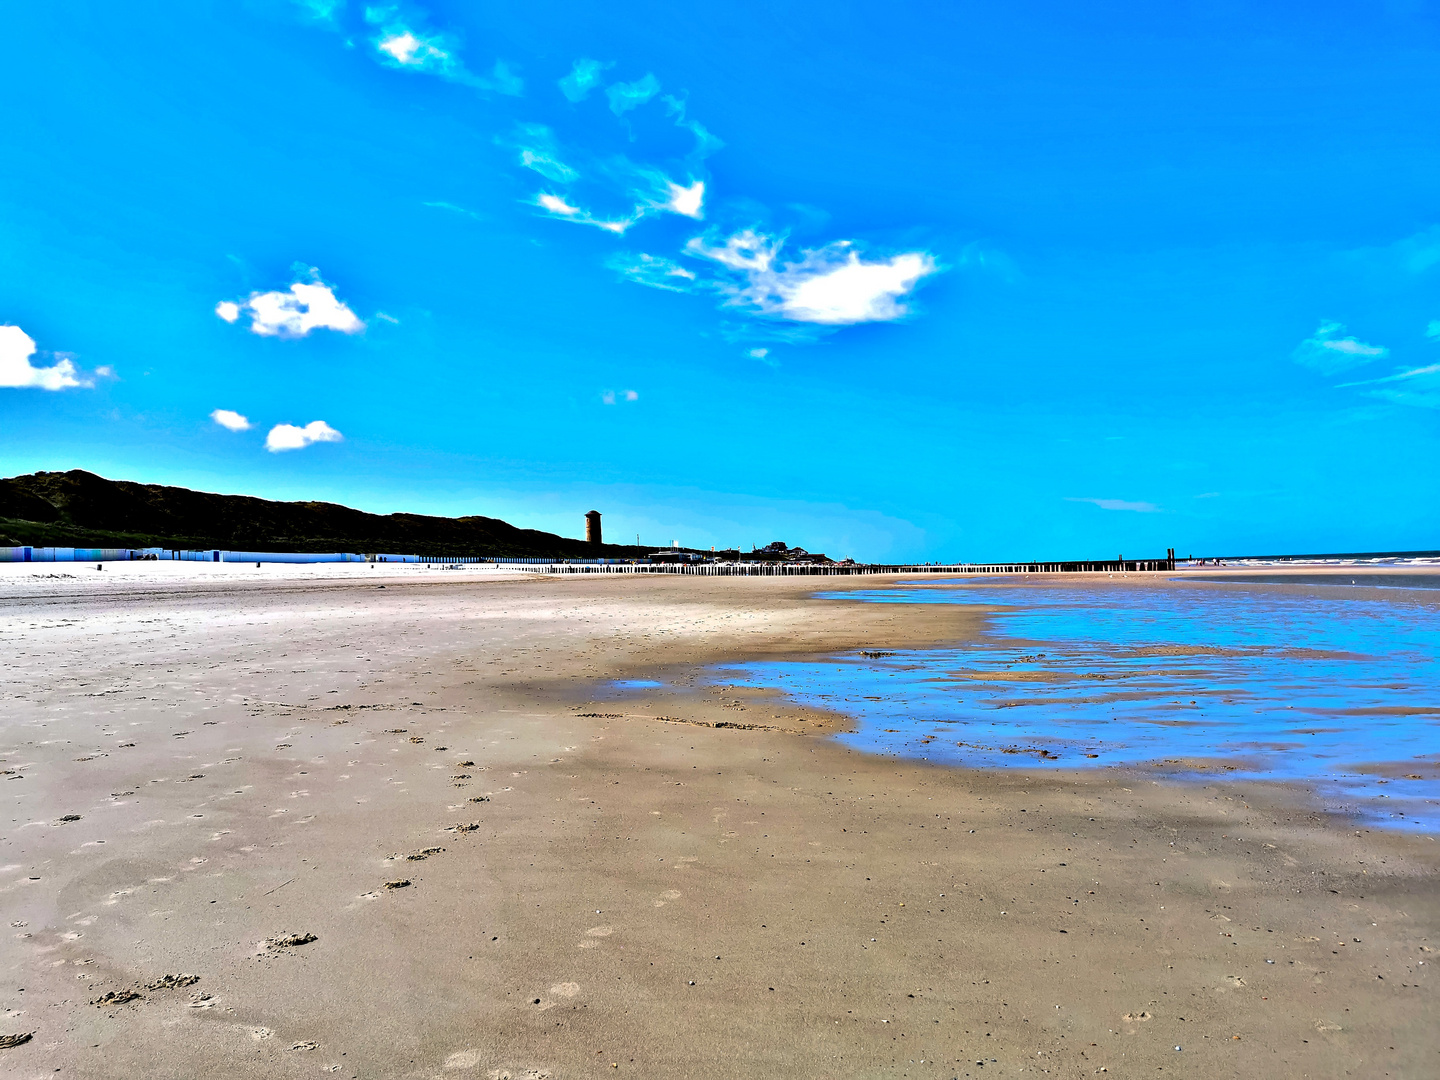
654 192
832 285
626 96
290 437
405 48
758 354
852 291
686 200
1121 504
609 397
563 210
305 307
17 372
1327 352
631 395
583 78
230 420
652 270
556 205
402 46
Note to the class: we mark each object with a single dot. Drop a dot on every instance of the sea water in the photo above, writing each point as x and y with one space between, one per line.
1341 693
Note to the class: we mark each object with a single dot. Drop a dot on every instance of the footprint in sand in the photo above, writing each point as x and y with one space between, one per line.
1235 981
565 989
593 933
173 982
520 1074
117 997
260 1034
289 941
667 896
1136 1018
463 1059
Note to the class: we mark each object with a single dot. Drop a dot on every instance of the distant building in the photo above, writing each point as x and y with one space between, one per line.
778 552
592 528
670 555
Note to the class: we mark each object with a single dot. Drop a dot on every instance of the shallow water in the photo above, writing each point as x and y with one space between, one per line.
1296 685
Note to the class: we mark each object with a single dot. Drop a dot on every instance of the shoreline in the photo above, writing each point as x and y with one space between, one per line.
290 699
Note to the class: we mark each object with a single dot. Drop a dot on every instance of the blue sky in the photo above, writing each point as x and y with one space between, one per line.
902 281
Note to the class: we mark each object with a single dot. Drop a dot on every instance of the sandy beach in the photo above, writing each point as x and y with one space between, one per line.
303 821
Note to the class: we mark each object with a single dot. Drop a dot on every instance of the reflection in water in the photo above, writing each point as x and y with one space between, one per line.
1246 682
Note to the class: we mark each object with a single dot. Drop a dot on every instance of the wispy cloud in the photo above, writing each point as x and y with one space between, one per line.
18 373
610 397
230 420
831 285
706 143
654 191
583 78
792 295
537 150
557 207
1120 504
401 43
626 96
1327 352
323 11
648 189
306 306
1418 386
290 437
653 270
462 211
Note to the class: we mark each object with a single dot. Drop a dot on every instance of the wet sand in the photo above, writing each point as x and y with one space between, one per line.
510 870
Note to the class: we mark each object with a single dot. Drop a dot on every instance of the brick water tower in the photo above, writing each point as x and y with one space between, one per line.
592 528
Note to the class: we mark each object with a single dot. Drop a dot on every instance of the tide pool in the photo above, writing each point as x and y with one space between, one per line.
1308 685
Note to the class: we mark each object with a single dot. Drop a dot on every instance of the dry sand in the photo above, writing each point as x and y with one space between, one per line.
322 827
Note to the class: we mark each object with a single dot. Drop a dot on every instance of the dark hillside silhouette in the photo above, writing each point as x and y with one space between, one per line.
80 509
